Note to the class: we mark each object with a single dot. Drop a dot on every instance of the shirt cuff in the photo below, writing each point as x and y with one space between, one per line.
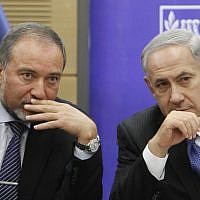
81 154
155 165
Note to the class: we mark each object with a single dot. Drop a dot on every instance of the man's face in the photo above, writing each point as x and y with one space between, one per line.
34 72
174 79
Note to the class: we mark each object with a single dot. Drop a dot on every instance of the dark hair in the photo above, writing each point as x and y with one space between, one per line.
38 31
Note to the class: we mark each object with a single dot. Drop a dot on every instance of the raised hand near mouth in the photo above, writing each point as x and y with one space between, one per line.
53 114
177 126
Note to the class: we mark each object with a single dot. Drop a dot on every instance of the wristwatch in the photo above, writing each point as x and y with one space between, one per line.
91 147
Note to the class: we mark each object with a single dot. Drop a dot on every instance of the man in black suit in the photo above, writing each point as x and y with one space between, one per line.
157 147
60 148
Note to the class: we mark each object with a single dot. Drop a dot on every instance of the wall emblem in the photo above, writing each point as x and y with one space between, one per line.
180 16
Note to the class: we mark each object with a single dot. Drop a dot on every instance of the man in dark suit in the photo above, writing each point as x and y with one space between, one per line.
59 146
158 147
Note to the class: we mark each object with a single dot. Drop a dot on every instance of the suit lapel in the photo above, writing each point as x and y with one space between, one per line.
179 161
35 157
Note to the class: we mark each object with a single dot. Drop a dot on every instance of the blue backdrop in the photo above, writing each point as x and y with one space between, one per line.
119 29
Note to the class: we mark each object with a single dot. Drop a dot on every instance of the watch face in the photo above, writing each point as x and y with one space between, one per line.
94 145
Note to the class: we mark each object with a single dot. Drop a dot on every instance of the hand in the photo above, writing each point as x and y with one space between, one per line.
53 114
177 126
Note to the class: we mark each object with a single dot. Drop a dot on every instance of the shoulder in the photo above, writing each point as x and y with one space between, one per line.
70 103
141 126
60 100
149 115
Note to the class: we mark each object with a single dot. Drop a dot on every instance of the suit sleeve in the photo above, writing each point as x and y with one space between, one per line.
83 179
86 182
132 178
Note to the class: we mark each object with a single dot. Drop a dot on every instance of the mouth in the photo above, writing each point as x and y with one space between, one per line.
188 108
27 112
25 102
182 109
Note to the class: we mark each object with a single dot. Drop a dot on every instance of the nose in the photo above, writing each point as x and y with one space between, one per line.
176 96
38 90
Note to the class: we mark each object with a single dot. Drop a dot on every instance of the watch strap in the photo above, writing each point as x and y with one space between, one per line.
91 147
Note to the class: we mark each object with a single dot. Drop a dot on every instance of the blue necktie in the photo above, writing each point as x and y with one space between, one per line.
11 165
194 155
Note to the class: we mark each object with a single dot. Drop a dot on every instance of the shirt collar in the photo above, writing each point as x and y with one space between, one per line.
5 116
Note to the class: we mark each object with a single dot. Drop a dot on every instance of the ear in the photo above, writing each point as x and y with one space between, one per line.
148 82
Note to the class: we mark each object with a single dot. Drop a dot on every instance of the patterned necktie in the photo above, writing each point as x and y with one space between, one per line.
194 155
11 165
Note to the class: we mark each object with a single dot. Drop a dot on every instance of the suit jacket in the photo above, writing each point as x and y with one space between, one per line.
51 172
133 181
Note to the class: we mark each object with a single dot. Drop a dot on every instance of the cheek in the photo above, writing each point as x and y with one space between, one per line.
51 93
164 104
194 99
15 95
11 93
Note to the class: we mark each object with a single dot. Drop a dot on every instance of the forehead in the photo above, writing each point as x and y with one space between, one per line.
31 46
171 54
33 53
171 59
33 41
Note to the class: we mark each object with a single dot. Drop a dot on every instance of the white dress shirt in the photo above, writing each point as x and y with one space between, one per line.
156 165
6 133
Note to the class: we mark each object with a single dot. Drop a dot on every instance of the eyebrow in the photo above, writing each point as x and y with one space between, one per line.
159 80
55 74
184 73
34 72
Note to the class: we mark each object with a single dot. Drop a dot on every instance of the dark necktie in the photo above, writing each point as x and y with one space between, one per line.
11 165
194 155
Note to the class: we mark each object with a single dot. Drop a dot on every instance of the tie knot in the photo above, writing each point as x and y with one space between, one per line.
17 128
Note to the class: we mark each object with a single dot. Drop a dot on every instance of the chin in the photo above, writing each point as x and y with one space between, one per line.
20 114
17 113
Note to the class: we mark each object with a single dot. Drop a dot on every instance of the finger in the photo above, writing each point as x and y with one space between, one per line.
192 123
44 102
46 125
41 108
42 117
195 120
194 128
52 103
182 127
189 129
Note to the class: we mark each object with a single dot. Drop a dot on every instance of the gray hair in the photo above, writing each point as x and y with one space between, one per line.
38 31
179 37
